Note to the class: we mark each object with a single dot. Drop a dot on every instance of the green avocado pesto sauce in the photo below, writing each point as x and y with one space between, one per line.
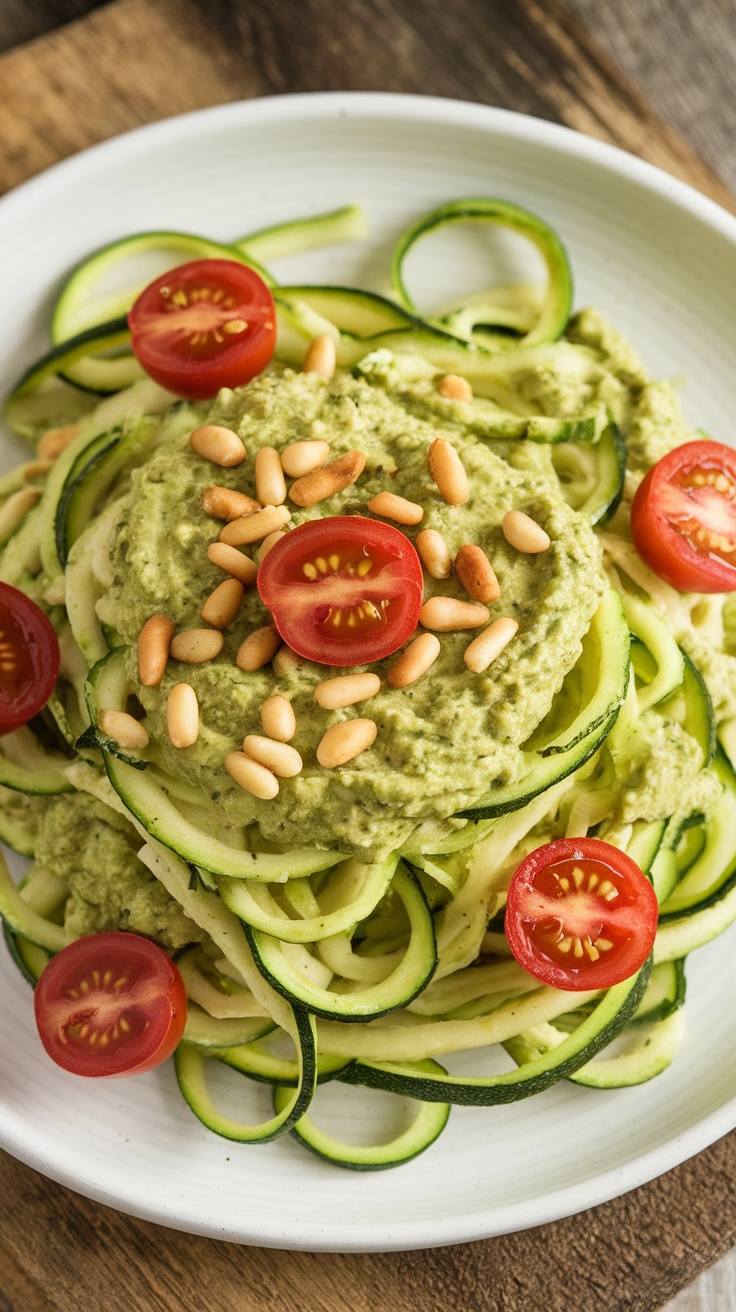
81 841
442 742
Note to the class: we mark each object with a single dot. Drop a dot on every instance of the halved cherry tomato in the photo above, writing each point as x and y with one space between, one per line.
29 658
580 914
343 590
110 1004
205 325
683 518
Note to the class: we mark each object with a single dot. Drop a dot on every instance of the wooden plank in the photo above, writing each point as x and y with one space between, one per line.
21 21
684 58
128 63
533 57
60 1252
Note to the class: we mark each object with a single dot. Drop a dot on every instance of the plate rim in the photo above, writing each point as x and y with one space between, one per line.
555 1203
385 104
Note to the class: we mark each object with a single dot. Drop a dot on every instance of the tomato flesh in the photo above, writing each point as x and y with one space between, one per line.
110 1004
683 518
29 658
580 914
343 591
204 325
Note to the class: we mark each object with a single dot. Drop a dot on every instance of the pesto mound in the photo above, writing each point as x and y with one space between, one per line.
443 742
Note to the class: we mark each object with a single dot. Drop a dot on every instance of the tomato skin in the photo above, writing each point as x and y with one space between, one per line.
618 912
151 1003
668 488
29 643
180 327
311 609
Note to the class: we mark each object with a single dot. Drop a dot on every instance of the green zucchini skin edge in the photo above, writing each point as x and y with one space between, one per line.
657 1044
611 626
677 938
106 688
260 945
43 778
201 1031
616 446
530 1079
559 768
548 765
249 1060
427 1126
102 338
16 955
190 1064
196 847
725 882
555 315
700 720
74 483
673 1000
236 897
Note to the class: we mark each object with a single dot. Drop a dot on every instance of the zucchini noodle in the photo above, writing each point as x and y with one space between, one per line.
330 958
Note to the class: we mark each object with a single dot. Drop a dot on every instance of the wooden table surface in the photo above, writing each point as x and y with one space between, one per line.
64 85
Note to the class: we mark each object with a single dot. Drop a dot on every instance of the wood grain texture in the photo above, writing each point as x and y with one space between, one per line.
22 20
684 55
133 61
62 1253
714 1291
88 81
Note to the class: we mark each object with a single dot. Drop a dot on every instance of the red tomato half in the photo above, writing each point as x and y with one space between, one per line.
343 590
580 914
29 658
683 518
203 326
110 1004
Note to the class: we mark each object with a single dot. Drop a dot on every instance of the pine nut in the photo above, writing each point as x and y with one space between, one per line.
448 472
267 543
258 648
321 357
455 388
300 458
195 646
323 483
415 661
56 440
223 604
153 649
434 554
281 759
270 485
220 445
226 503
229 558
389 506
182 715
446 615
285 661
278 719
15 509
36 469
524 533
255 527
476 574
489 644
346 690
251 776
345 741
127 732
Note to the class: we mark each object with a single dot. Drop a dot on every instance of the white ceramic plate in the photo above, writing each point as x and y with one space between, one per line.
661 261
